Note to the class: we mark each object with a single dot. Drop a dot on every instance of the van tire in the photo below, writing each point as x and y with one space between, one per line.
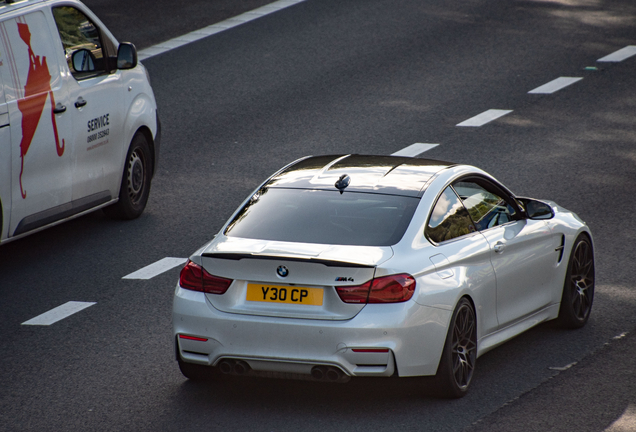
135 182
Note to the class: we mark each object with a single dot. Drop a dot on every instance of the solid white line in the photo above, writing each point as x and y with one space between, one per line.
229 23
555 85
620 55
485 117
154 269
59 313
414 149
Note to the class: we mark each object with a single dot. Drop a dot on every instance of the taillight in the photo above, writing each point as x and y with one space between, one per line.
195 278
392 289
354 294
194 338
387 289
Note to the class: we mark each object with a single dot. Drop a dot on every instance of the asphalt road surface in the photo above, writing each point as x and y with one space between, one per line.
322 77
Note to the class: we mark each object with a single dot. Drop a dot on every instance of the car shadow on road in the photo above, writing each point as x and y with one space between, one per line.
267 403
273 390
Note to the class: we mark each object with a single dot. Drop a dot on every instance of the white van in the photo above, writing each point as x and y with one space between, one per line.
79 128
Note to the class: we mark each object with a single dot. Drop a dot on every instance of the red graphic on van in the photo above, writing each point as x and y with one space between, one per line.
37 88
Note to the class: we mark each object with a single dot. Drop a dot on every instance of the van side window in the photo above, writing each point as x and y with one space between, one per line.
81 42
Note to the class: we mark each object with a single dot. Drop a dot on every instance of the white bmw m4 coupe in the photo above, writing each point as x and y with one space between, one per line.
356 265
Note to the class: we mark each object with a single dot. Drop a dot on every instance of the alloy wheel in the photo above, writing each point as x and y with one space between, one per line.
582 280
464 346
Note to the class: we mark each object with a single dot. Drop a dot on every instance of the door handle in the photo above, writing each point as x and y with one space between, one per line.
59 108
80 102
499 247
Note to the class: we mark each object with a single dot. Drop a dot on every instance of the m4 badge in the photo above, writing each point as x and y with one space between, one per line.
344 279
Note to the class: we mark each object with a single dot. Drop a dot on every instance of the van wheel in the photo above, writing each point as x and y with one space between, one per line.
135 182
456 367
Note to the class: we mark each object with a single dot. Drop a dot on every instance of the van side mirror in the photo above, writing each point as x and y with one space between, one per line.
83 61
126 56
537 210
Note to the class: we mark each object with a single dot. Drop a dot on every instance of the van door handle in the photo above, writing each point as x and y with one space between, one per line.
59 108
499 247
80 102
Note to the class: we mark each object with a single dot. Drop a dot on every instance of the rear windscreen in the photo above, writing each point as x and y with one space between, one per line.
327 217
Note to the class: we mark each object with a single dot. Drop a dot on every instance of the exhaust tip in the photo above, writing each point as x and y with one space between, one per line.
318 372
226 367
333 374
240 367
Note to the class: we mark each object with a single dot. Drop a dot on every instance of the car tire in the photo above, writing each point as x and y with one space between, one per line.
135 182
578 288
457 364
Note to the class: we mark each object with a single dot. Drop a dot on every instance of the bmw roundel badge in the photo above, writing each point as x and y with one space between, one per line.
282 271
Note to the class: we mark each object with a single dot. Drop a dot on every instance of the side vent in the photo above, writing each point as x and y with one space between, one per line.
560 249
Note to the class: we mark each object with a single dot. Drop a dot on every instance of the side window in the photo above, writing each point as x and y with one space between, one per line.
449 218
486 208
81 42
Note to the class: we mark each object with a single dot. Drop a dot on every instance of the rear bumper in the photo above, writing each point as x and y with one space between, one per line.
413 336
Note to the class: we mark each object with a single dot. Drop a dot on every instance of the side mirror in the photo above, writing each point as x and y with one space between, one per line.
126 56
536 209
83 61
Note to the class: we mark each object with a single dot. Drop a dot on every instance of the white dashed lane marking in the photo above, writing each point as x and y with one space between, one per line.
215 28
485 117
564 368
154 269
555 85
414 149
620 55
59 313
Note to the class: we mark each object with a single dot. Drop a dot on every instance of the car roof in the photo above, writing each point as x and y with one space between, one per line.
391 175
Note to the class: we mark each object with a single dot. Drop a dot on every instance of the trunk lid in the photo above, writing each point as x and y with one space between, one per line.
289 280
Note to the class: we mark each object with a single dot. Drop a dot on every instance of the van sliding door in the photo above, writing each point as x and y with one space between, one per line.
41 150
5 160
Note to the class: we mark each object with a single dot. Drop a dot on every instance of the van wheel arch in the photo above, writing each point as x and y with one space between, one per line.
136 179
151 143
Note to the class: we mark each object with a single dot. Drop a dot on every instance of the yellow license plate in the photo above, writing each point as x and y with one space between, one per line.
284 294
